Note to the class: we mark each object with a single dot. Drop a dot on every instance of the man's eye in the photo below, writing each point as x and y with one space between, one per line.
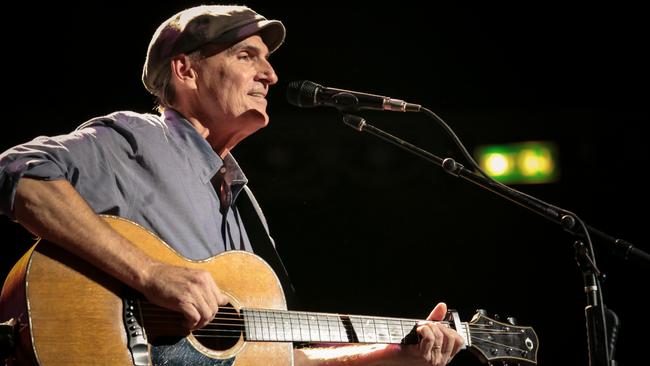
244 56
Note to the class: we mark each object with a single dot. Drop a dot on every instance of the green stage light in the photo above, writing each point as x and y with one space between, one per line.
520 163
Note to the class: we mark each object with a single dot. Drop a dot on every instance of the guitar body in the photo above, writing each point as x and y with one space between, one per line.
71 313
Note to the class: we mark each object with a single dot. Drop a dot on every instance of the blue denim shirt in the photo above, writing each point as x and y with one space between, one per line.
155 170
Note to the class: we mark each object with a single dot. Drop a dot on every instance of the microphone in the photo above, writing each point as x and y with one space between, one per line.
305 94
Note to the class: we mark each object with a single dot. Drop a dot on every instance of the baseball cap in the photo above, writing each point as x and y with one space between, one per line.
195 27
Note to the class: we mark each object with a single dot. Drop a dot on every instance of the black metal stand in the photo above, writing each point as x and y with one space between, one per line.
599 348
595 309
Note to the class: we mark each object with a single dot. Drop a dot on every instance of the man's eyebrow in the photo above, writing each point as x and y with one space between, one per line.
244 46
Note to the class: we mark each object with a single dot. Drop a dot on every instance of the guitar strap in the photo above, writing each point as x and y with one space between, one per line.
261 241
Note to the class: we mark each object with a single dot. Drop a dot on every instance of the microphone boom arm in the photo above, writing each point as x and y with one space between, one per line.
566 219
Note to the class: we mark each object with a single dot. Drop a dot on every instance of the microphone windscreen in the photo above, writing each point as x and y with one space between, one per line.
302 93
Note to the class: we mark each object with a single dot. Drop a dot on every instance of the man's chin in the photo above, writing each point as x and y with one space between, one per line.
256 118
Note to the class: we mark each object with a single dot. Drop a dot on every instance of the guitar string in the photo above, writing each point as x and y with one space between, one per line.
281 335
317 339
475 340
306 314
304 322
238 322
478 329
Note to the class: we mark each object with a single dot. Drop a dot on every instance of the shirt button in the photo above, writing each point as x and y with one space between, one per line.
222 170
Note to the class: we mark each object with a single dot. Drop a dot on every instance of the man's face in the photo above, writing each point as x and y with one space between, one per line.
232 85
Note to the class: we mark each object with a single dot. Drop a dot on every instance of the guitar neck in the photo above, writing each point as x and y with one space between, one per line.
296 326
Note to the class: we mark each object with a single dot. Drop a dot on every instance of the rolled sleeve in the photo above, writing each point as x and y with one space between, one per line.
50 158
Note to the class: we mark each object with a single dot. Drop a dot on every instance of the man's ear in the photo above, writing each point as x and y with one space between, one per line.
183 71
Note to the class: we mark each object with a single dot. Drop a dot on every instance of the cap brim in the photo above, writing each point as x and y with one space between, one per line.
271 31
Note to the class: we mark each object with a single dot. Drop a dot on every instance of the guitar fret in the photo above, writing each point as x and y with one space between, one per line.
293 326
372 336
304 332
273 333
285 336
301 322
406 329
277 327
286 322
334 326
249 319
265 326
304 327
256 329
321 332
250 324
374 325
338 322
314 321
358 324
259 326
246 325
283 326
340 333
287 326
382 332
363 338
324 329
395 334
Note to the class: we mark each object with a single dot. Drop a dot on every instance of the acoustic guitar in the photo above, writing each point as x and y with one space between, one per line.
71 313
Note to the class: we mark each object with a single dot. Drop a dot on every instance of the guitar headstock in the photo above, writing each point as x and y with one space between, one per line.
492 340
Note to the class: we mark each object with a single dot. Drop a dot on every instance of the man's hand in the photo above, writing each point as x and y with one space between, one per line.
191 292
438 343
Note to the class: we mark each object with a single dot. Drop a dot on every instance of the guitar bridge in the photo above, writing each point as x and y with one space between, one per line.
135 332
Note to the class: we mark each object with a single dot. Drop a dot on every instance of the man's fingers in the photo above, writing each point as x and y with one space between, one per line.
192 316
190 291
204 309
439 312
437 343
448 345
210 293
459 342
220 297
426 341
431 342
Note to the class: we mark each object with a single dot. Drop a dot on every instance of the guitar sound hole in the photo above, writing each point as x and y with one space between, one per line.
223 332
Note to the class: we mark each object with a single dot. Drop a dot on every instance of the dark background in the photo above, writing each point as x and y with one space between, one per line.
364 227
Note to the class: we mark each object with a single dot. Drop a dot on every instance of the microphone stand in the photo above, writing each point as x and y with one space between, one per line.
599 348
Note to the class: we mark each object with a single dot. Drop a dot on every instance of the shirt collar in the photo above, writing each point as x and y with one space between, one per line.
198 149
234 175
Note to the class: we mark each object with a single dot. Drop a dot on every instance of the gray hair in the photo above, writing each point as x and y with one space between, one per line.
164 88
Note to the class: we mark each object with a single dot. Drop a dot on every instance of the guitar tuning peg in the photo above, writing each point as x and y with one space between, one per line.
512 320
482 312
497 317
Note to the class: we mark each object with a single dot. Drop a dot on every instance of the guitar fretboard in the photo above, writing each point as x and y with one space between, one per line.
293 326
